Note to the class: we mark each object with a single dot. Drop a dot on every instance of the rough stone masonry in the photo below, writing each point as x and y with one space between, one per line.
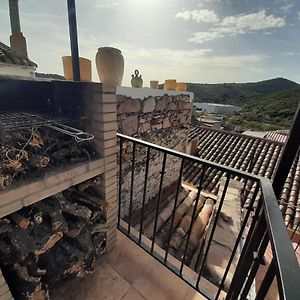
161 120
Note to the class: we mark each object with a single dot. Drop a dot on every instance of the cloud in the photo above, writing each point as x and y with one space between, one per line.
251 22
287 7
239 24
299 15
199 16
205 36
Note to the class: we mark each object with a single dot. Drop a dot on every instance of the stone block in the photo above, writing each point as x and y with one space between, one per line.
166 123
157 126
161 104
129 106
188 105
172 106
145 127
149 105
130 125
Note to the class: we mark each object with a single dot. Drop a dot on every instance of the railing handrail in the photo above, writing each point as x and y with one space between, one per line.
286 263
189 157
282 249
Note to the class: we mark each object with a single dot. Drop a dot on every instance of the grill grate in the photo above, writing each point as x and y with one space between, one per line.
22 120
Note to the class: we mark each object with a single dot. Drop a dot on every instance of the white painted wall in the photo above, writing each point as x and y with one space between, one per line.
142 93
11 70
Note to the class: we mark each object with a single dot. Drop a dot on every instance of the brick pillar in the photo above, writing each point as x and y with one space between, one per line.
4 290
101 112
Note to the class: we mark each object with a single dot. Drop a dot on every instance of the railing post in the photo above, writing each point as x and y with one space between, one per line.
288 155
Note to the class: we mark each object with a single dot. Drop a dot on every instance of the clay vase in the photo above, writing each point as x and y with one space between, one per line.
110 65
181 86
154 84
136 80
84 65
170 85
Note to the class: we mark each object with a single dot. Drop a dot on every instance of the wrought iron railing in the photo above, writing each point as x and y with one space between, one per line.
261 229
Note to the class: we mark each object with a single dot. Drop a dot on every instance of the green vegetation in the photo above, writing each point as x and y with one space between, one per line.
267 105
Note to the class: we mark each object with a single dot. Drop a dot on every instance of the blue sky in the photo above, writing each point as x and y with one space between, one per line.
207 41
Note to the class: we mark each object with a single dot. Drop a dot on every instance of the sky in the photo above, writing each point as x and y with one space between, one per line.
206 41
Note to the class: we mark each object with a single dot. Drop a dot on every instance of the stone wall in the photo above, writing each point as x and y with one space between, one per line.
161 119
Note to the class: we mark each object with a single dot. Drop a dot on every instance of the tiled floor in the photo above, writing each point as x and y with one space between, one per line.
127 273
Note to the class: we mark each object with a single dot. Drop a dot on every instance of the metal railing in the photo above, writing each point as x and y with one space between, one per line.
261 226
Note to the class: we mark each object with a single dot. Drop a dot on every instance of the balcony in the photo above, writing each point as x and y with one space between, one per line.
261 238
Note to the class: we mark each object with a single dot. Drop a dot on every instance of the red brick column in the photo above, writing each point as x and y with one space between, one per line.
100 103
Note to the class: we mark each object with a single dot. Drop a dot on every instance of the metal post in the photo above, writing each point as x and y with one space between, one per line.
73 39
288 155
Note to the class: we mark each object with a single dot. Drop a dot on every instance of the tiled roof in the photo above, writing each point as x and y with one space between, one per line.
255 155
7 56
278 135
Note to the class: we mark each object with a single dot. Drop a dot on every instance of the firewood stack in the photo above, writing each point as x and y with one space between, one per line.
54 239
27 153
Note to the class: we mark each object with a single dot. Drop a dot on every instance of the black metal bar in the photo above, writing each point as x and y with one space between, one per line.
144 193
288 155
188 157
255 265
174 209
238 240
266 283
120 179
288 272
246 260
158 199
192 219
213 228
73 39
131 187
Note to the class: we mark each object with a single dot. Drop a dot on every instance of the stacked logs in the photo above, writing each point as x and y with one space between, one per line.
54 239
25 153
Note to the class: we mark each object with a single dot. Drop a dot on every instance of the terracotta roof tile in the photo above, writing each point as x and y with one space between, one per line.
255 155
7 56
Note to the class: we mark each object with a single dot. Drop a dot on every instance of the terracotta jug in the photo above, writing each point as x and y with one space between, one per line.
170 84
181 86
84 65
154 84
110 65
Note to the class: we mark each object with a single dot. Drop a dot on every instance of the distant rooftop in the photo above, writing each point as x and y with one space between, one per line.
7 56
215 104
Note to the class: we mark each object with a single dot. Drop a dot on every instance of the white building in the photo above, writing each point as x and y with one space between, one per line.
218 109
11 65
14 61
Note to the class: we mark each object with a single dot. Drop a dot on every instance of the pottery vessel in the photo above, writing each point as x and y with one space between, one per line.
181 86
154 84
84 65
110 65
136 80
170 84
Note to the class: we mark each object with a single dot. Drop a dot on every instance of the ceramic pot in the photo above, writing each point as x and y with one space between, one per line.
181 86
84 65
170 84
136 80
110 65
154 84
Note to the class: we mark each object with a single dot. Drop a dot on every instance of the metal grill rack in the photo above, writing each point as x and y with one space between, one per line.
21 120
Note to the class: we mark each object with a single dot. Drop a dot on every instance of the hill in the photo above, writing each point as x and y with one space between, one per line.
268 104
239 93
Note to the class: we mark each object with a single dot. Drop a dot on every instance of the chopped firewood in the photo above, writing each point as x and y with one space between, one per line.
53 239
61 237
19 220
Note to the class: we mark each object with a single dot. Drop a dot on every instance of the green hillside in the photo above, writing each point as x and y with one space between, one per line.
239 93
267 105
